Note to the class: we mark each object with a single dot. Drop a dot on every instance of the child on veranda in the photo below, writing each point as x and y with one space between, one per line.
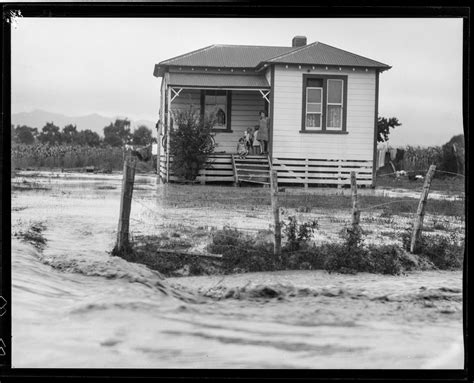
248 135
256 143
242 150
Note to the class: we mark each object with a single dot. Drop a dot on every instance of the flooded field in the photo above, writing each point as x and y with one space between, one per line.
74 305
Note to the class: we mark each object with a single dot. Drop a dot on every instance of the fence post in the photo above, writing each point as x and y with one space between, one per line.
276 211
125 203
355 202
420 214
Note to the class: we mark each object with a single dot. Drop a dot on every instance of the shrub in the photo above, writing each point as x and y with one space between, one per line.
298 234
349 256
444 252
241 252
310 258
190 143
389 259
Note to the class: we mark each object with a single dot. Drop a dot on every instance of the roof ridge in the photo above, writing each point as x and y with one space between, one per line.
186 54
292 51
256 46
354 54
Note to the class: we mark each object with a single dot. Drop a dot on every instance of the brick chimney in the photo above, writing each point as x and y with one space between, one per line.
298 41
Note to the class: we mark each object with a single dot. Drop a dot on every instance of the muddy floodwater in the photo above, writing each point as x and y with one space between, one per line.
76 306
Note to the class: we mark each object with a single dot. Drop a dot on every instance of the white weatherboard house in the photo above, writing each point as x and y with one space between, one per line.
321 102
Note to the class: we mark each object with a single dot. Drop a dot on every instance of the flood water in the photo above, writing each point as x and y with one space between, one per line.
76 306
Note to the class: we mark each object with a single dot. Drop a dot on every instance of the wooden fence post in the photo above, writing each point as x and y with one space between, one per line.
125 203
420 214
355 202
276 212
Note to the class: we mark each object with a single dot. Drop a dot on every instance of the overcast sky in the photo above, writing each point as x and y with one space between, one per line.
81 66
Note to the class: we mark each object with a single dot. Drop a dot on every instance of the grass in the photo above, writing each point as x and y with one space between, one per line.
187 196
244 252
455 185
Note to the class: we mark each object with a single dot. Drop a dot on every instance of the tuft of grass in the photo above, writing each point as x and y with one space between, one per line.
33 235
242 252
145 250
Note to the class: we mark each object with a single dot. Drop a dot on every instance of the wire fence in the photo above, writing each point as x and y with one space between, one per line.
200 214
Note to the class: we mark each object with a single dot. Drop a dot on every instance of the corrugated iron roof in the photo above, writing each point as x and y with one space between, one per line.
322 54
250 56
227 56
218 80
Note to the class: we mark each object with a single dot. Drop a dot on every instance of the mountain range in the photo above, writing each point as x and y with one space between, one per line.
95 122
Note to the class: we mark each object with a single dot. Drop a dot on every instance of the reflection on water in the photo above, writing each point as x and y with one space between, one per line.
76 306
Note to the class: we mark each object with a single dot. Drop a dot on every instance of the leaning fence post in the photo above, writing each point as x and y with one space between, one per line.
355 202
276 211
125 203
420 214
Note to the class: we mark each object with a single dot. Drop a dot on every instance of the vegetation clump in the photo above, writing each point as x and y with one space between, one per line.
242 252
71 148
298 234
191 143
445 252
33 235
351 255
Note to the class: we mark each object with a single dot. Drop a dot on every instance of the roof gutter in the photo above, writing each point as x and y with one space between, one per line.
267 65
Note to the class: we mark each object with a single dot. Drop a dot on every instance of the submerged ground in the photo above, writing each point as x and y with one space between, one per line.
111 313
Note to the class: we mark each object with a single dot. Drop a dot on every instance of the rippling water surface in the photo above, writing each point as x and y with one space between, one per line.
74 305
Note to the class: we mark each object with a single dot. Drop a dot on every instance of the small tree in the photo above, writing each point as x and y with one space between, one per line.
50 134
25 135
69 134
88 138
453 156
190 142
383 127
142 136
118 133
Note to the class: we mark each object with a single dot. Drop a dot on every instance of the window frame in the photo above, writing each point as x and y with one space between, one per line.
324 110
316 103
228 94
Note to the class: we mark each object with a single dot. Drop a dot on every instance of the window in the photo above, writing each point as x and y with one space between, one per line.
324 100
217 102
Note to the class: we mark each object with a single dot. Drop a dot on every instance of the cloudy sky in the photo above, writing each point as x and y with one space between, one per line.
79 66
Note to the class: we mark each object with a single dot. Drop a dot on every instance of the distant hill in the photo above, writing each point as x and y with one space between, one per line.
95 122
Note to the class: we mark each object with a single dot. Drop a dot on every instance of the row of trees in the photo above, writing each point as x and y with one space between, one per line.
116 134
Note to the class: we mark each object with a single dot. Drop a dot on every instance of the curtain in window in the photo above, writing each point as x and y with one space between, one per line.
217 104
313 107
334 104
334 116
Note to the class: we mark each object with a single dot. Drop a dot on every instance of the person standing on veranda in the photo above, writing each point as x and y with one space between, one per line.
263 131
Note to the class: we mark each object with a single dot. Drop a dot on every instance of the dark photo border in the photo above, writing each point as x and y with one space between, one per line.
294 9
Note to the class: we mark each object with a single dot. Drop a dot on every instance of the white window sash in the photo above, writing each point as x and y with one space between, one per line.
314 103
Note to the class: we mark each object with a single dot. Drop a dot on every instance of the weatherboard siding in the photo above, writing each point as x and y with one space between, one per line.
288 142
244 114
